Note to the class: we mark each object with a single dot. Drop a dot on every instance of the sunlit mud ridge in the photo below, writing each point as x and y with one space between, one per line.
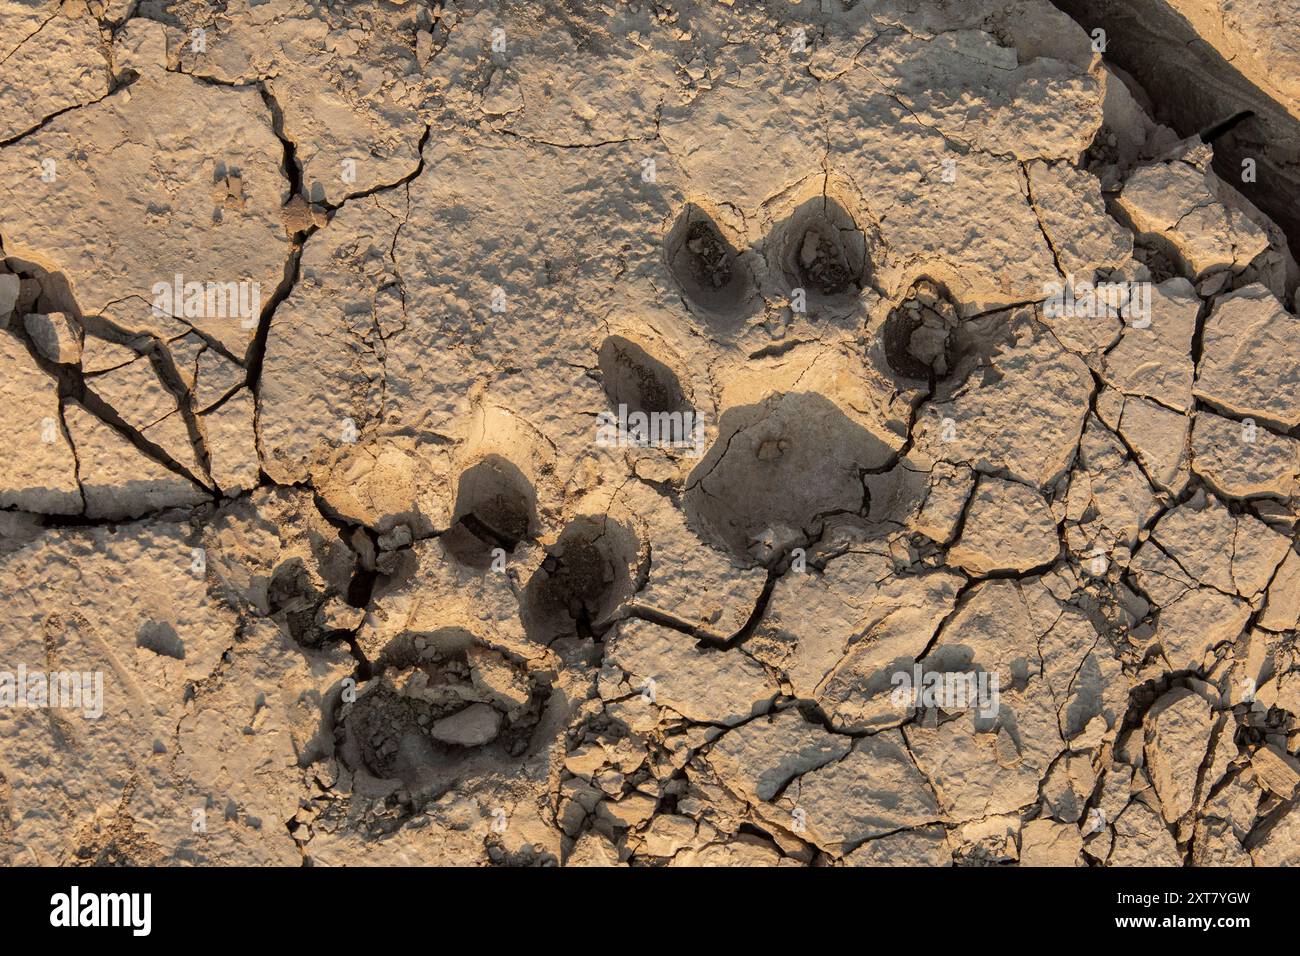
690 433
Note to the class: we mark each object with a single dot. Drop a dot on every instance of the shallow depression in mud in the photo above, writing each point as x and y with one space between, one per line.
496 507
821 249
777 469
586 575
711 273
918 334
634 378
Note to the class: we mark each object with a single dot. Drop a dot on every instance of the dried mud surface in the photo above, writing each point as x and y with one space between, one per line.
374 567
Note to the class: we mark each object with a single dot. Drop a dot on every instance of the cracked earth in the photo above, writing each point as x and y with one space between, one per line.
366 585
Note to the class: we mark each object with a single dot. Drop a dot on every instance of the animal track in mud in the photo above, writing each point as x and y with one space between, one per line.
707 267
632 377
823 264
390 732
917 334
496 507
295 603
587 574
776 469
439 696
384 622
821 249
